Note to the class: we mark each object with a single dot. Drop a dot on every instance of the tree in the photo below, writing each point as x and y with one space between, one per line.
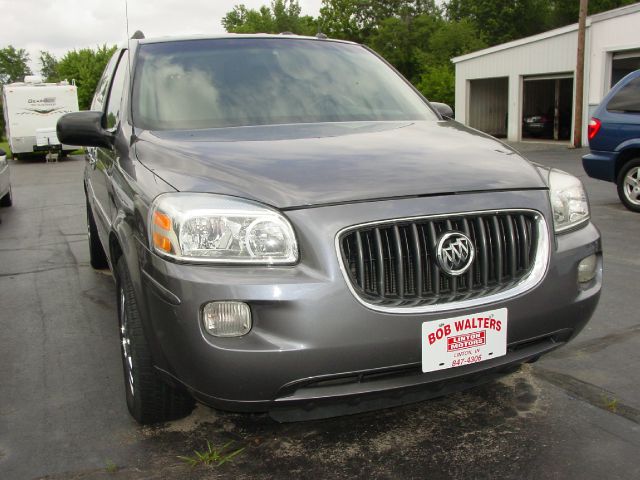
281 16
565 13
500 21
357 20
402 42
13 64
86 67
13 68
48 67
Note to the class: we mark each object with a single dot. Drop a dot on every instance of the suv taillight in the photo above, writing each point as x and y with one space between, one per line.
594 126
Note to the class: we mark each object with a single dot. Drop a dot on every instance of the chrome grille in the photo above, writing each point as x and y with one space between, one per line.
393 263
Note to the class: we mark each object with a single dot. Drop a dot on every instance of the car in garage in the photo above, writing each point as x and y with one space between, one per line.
6 200
294 229
614 140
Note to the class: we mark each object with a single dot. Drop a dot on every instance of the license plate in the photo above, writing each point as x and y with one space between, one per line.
458 341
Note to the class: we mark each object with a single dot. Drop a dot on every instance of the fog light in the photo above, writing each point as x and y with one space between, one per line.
226 319
587 269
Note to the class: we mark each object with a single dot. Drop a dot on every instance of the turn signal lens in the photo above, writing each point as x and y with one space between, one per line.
162 220
162 242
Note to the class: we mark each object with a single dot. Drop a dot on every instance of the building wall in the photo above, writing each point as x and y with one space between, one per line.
551 53
609 36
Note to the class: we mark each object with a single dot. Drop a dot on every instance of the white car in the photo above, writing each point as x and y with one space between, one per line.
5 184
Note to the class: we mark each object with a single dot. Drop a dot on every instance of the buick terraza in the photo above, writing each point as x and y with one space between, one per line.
294 229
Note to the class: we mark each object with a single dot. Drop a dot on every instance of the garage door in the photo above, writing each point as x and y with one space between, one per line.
488 105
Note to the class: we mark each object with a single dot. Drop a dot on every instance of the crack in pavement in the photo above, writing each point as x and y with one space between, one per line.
587 392
39 270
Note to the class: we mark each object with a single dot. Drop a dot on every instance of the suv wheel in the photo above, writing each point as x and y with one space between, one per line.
629 185
149 399
7 200
97 256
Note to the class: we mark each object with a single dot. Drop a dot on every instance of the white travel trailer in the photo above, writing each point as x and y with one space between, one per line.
31 111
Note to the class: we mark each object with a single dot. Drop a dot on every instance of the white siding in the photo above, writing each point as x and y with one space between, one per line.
609 36
551 53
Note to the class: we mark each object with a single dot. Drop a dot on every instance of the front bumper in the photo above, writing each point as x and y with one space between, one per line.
312 340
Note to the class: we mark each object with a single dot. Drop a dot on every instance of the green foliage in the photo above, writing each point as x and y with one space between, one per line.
500 21
5 146
438 83
402 42
86 67
212 456
565 12
281 16
48 67
13 64
357 20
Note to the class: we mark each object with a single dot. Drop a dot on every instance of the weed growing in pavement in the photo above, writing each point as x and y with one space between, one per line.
111 467
611 404
212 456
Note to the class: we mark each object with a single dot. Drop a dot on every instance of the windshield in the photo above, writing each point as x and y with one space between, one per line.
196 84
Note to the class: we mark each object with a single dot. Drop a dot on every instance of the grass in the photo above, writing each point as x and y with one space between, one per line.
5 146
212 456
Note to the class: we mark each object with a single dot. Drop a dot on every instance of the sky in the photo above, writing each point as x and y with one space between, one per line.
62 25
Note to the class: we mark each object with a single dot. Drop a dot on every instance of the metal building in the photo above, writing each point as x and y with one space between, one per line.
525 88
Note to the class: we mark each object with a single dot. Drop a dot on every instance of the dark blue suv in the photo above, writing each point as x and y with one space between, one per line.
614 138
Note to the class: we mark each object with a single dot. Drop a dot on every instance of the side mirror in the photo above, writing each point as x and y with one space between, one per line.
83 129
3 153
444 110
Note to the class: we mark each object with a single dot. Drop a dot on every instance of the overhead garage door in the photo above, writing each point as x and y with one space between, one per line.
488 105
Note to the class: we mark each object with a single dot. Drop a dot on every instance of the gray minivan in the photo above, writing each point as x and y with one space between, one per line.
293 228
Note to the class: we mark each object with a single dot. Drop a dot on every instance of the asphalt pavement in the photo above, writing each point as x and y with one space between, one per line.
574 414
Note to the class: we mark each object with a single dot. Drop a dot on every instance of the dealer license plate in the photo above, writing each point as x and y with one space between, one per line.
458 341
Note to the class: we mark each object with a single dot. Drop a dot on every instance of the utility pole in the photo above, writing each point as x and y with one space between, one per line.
577 121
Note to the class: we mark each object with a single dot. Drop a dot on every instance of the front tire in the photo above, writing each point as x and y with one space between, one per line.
149 399
629 185
7 200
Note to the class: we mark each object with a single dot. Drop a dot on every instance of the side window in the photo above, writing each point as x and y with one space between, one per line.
101 90
115 94
627 99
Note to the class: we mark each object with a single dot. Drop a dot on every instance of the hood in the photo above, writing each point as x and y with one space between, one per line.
289 166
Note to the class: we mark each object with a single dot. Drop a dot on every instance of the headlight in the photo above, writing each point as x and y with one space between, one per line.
568 201
200 228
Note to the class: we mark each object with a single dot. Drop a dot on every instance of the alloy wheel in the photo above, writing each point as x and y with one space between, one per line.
631 186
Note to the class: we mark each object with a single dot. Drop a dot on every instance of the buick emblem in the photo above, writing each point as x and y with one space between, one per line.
455 253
